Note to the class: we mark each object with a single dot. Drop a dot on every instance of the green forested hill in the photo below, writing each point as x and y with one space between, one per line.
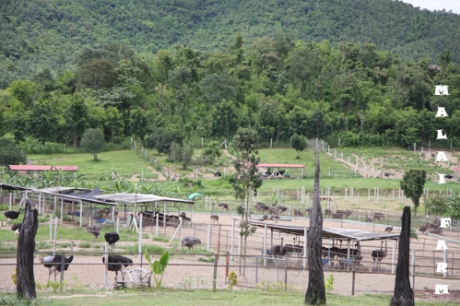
37 34
166 72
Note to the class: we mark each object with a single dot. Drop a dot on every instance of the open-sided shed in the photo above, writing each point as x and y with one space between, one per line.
348 235
11 193
133 199
74 198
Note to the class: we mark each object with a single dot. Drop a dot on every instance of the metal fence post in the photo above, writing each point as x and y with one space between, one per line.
214 279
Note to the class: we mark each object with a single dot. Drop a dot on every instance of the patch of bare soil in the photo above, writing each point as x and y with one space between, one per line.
428 295
379 171
161 178
190 271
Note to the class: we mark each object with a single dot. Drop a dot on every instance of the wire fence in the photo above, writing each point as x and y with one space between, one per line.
253 271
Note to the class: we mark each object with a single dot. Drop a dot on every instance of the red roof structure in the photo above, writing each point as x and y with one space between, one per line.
261 165
42 168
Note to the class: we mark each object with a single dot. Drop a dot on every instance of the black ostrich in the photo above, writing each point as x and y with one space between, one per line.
17 229
448 176
116 263
111 238
11 215
94 229
389 229
54 264
190 242
379 254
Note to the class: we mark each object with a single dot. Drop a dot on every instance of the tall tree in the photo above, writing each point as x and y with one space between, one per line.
316 292
412 183
76 118
97 74
138 123
247 177
93 141
299 143
42 122
114 125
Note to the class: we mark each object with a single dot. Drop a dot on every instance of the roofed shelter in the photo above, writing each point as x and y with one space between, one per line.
12 189
348 235
135 198
72 195
276 173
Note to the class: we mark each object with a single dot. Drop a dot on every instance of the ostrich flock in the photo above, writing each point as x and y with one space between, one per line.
115 263
57 263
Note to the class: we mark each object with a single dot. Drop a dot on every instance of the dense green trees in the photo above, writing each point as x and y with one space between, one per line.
10 154
342 92
52 34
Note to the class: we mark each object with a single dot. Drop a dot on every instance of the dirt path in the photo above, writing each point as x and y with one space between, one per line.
229 155
161 177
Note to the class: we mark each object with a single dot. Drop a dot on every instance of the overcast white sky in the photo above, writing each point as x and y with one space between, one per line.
431 5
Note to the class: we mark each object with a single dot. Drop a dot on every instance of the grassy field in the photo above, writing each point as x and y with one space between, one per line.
199 297
129 163
125 163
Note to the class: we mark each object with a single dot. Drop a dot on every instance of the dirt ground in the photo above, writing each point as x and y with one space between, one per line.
186 271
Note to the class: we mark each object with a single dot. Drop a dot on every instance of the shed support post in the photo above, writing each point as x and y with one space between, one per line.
81 212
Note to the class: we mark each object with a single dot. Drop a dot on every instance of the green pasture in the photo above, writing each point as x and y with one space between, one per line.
127 163
197 297
124 162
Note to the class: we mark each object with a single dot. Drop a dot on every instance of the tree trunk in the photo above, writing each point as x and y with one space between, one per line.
316 293
25 256
403 293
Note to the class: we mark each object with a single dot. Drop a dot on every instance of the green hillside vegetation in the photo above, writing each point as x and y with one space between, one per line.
36 35
351 93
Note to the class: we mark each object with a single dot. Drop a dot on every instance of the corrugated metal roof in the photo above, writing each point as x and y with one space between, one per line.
261 165
138 198
328 233
42 168
60 193
13 187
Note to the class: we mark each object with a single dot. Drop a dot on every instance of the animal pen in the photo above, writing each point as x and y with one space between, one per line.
221 246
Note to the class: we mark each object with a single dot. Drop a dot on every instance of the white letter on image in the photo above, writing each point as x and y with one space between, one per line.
441 245
441 289
441 112
445 222
442 267
441 90
440 135
441 156
441 178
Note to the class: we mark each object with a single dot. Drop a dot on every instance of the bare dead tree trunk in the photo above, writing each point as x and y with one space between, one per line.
25 256
403 293
316 293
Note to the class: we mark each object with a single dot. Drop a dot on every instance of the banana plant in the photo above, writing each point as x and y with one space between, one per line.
158 266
